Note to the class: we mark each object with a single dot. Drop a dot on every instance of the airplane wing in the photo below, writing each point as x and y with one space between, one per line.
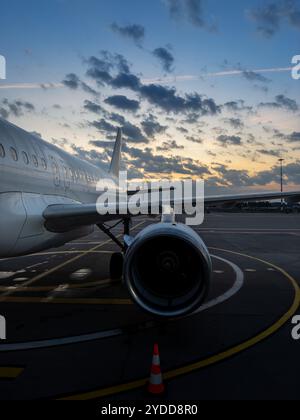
66 217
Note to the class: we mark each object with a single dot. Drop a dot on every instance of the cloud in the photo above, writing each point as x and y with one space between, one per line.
182 130
126 81
167 99
132 132
271 17
237 106
253 76
169 146
175 8
235 123
134 32
93 107
229 140
73 82
191 11
100 70
165 57
159 164
15 108
152 127
103 126
122 102
274 153
281 102
294 137
102 144
194 139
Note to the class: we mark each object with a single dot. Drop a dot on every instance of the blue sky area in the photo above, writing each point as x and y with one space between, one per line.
213 93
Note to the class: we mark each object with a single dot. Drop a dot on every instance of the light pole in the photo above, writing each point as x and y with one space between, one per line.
281 180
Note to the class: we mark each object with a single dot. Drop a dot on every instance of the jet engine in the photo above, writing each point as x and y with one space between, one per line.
167 270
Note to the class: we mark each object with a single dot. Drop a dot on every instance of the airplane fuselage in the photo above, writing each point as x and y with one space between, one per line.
33 175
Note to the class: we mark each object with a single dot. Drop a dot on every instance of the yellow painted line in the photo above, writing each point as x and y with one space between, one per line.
172 374
10 372
22 289
3 298
79 301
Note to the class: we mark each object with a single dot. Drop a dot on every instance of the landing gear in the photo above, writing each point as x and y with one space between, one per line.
116 266
117 259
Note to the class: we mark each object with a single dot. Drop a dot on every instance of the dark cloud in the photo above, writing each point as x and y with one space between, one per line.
103 126
190 10
182 130
237 106
235 123
159 164
281 102
165 57
175 8
126 81
15 108
231 177
152 127
132 132
102 144
252 76
100 70
122 102
274 153
134 32
229 140
72 81
194 139
93 107
167 99
119 119
294 137
169 146
271 17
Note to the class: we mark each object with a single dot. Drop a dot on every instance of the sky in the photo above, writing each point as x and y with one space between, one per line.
202 88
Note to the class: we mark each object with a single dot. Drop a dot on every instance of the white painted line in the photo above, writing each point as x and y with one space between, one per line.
238 284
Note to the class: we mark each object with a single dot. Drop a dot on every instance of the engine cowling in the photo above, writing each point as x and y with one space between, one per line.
168 270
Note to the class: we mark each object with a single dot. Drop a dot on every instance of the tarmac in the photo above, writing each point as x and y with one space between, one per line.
73 333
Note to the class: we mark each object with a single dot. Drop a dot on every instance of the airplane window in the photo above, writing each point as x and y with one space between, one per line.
14 154
25 158
35 161
2 151
44 164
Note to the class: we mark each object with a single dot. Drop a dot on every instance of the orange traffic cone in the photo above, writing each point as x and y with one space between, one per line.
156 386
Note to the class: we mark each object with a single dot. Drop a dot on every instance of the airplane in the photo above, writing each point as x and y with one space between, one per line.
48 198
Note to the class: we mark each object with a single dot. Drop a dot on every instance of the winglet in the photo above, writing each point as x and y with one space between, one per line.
116 159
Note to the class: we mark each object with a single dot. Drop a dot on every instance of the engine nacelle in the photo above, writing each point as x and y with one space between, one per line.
168 270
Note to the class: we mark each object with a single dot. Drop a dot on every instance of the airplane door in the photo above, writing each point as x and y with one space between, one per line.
55 171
